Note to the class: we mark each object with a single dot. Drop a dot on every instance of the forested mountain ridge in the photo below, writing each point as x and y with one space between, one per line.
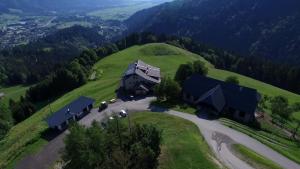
37 59
264 28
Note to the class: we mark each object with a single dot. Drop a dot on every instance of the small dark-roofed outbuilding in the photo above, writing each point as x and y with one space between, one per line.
74 110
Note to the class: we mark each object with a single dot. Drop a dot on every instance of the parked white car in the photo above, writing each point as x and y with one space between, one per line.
123 113
112 101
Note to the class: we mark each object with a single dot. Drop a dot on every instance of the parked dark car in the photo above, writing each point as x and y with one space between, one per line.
102 106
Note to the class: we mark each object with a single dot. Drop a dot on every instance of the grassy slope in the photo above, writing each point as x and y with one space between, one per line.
168 58
284 146
254 159
13 92
183 146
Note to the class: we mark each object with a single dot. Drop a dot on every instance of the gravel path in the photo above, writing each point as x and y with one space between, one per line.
208 127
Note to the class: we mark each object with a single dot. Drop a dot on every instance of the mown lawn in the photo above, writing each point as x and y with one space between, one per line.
254 159
183 145
13 92
277 142
167 57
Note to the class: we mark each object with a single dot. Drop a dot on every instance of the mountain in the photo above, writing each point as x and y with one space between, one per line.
37 59
65 6
264 28
57 5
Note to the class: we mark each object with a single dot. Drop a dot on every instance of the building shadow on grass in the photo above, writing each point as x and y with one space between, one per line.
51 134
125 96
202 114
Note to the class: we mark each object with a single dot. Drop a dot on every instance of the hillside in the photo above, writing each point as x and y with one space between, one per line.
65 6
55 5
26 136
262 28
36 59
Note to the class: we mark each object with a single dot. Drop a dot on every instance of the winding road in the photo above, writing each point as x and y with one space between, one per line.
217 136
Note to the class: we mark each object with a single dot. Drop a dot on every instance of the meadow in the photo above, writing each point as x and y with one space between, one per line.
254 159
278 142
183 146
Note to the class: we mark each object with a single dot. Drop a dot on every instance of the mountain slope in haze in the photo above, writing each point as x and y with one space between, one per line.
56 5
65 6
268 28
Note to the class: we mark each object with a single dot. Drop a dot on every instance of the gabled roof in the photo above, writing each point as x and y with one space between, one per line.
214 97
144 70
69 111
238 97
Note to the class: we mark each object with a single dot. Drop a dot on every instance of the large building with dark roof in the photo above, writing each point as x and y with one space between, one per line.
139 78
221 97
71 112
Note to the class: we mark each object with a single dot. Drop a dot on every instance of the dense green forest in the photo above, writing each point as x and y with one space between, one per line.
261 28
116 146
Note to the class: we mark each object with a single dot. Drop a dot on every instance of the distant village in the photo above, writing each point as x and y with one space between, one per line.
32 28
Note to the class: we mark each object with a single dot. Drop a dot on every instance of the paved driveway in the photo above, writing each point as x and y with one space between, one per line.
50 153
209 128
217 135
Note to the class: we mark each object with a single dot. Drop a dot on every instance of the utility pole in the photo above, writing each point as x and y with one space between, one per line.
50 107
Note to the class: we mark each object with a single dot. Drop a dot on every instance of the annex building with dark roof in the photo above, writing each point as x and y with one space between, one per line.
71 112
140 77
236 101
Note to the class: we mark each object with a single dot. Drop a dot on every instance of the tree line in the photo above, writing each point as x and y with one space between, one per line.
6 120
114 146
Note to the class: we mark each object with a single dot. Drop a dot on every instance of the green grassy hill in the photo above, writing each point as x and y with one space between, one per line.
25 136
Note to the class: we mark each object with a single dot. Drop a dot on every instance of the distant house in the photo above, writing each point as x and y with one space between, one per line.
71 112
139 78
220 97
